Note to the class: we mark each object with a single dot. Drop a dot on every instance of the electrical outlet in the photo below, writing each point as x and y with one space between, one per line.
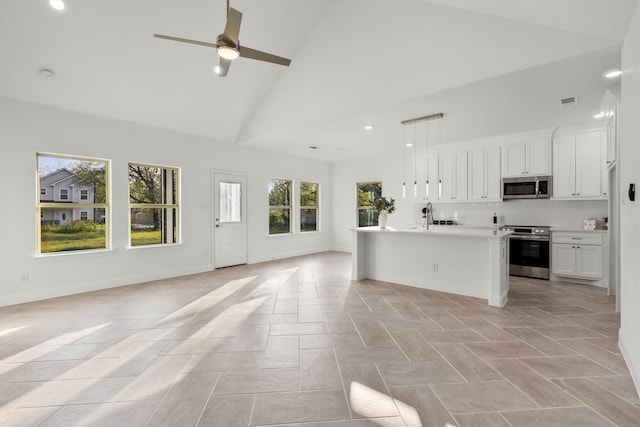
435 267
24 277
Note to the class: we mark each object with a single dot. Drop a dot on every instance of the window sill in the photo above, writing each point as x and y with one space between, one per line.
75 254
162 245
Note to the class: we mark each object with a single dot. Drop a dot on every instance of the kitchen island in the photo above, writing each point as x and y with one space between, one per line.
460 260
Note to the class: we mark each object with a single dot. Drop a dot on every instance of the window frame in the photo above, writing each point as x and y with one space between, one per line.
176 222
316 207
66 194
365 207
40 206
289 207
86 194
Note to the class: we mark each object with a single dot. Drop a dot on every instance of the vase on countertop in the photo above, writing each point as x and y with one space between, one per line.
382 220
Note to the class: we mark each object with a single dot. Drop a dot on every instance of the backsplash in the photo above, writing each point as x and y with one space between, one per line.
569 214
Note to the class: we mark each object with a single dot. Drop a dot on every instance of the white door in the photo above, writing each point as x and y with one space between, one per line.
492 172
230 220
588 165
513 162
538 157
589 261
563 260
564 156
477 175
461 175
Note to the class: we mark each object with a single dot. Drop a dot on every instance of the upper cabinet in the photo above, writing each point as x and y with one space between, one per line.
578 165
484 174
453 173
526 156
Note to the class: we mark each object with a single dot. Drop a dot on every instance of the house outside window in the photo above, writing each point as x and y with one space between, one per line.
309 196
280 206
84 194
367 192
67 224
154 209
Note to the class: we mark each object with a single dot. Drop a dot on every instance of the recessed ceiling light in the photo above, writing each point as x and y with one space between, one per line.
612 74
599 115
409 144
56 4
368 127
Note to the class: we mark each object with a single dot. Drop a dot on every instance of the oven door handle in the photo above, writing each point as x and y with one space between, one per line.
538 238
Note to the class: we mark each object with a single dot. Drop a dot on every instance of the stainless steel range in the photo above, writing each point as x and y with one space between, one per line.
529 251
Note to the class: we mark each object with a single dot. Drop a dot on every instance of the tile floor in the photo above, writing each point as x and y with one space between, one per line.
294 342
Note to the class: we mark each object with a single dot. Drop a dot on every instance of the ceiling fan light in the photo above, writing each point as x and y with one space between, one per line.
228 52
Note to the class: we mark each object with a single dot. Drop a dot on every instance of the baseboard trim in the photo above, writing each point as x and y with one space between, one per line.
633 369
116 282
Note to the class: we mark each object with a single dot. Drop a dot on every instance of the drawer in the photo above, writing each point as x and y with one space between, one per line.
573 238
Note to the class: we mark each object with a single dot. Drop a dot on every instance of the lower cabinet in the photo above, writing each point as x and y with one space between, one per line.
578 255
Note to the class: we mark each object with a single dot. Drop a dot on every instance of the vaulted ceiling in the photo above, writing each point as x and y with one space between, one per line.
491 66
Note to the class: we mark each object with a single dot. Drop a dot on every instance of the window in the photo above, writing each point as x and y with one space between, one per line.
153 205
84 194
279 206
367 193
308 207
43 191
230 202
57 229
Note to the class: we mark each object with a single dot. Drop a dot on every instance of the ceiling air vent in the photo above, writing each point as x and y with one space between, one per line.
569 101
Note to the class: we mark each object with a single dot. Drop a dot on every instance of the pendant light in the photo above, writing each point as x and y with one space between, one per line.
439 159
426 160
404 169
414 144
415 160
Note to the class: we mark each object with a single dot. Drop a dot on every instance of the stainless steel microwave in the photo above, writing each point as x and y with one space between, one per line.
527 187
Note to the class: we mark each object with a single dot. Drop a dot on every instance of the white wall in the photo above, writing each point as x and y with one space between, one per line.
569 214
26 129
629 162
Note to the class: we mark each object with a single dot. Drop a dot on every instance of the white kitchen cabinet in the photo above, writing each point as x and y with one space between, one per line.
484 174
526 157
577 255
578 166
453 173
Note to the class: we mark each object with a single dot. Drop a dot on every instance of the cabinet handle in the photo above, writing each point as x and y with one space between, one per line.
578 194
573 194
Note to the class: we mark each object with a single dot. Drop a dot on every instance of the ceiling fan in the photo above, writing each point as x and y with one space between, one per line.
228 46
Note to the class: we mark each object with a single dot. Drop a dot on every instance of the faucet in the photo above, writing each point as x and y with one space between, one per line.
428 215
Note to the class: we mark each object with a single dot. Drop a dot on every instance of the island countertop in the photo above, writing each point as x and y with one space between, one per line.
442 230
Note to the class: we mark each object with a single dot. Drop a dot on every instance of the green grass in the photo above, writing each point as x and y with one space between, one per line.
145 237
52 241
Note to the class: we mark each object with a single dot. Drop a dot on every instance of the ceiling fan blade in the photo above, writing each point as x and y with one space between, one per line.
178 39
247 52
232 28
223 67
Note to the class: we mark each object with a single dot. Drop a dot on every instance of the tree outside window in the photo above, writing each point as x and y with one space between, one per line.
153 205
280 206
367 192
68 221
309 206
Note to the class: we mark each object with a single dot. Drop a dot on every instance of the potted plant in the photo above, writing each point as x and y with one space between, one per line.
384 206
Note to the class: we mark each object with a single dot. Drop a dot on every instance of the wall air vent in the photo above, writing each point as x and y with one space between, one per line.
569 101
